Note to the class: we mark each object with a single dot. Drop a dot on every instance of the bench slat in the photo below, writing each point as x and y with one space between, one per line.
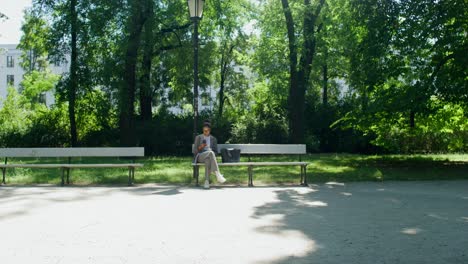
265 148
72 152
256 164
121 165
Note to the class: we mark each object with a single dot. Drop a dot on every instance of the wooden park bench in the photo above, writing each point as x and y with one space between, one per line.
261 149
70 153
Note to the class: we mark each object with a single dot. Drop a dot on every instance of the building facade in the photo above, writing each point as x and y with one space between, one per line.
11 72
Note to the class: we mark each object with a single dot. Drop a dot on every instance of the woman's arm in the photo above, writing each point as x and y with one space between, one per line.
196 145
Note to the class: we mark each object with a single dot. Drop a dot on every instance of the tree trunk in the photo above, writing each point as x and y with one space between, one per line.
293 78
221 97
300 74
325 84
226 59
127 93
325 131
411 121
146 93
73 85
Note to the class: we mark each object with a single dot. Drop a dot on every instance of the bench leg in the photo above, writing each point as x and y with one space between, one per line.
129 176
250 176
305 176
63 177
3 173
196 174
68 176
302 175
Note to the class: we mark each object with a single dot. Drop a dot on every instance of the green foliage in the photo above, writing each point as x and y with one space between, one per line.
13 121
264 122
48 128
386 76
30 124
37 83
445 129
33 43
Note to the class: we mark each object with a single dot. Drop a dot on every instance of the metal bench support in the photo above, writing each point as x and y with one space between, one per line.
304 175
63 176
3 173
131 175
196 173
250 176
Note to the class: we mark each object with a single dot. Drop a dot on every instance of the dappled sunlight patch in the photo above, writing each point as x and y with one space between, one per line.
273 233
312 203
334 169
393 200
331 183
306 190
282 244
411 231
436 216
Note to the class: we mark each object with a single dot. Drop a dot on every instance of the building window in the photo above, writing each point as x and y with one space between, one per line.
205 99
10 62
10 80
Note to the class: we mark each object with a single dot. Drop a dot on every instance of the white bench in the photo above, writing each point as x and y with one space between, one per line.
70 153
261 149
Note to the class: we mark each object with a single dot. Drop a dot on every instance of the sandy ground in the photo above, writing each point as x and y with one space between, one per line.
390 222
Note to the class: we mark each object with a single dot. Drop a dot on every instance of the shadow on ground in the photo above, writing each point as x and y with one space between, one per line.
411 222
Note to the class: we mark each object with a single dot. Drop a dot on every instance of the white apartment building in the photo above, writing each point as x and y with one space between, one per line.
11 72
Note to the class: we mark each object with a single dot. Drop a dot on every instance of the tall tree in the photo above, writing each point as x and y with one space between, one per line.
146 92
64 40
135 23
300 65
73 82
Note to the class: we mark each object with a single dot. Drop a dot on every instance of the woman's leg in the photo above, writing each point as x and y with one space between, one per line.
213 162
211 165
214 168
205 157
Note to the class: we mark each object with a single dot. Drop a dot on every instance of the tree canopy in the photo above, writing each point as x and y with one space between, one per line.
337 75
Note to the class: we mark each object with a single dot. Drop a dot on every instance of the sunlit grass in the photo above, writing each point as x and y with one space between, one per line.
322 168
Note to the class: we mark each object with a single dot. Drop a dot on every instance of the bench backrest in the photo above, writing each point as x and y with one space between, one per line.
71 152
266 148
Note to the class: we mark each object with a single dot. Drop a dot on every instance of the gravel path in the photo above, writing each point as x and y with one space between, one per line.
390 222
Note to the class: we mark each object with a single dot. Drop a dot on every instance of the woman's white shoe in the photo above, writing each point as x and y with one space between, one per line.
220 177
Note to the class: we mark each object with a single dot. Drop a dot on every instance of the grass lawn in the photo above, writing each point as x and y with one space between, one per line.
322 168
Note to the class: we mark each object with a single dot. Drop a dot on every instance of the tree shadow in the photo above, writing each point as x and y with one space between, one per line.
18 201
412 222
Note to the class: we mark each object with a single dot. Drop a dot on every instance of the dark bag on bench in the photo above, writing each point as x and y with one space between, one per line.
230 155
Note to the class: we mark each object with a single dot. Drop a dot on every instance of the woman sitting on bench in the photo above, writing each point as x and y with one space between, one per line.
206 147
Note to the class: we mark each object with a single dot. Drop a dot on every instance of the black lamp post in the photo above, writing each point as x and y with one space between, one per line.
196 12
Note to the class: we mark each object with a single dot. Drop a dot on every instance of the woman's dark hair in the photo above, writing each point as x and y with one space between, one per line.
207 123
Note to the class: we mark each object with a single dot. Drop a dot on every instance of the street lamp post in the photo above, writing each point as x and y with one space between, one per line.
196 12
